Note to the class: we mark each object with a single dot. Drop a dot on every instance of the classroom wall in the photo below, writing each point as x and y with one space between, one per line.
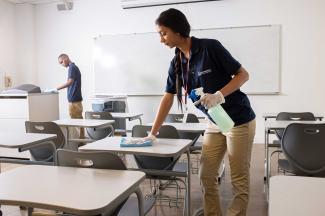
7 41
26 46
303 48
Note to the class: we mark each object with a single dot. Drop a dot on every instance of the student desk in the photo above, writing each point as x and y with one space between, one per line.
296 196
86 123
23 142
160 148
271 126
78 191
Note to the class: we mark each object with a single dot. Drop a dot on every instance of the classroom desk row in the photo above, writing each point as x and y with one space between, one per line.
161 148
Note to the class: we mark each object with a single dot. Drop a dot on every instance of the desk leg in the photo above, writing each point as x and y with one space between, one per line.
67 138
188 201
140 201
265 155
267 166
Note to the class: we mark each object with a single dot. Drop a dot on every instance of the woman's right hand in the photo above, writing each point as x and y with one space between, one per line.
150 137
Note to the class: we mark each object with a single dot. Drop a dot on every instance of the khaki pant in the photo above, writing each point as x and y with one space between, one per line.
238 143
75 111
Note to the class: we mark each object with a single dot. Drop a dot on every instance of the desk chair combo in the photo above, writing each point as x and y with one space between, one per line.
304 150
148 163
44 152
99 160
288 116
103 160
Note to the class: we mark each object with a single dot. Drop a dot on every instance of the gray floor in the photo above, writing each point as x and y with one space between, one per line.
257 205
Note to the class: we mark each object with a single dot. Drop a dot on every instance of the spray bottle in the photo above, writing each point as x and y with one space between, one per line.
216 113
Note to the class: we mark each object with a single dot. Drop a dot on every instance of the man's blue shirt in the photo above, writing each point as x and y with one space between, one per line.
74 90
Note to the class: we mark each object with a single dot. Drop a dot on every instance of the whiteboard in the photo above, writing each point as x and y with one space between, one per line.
137 64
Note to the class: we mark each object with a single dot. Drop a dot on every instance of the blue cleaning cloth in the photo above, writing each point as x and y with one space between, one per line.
135 142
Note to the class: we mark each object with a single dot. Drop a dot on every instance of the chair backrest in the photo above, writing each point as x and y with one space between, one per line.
293 116
166 131
99 160
149 162
45 152
304 148
192 118
99 133
178 118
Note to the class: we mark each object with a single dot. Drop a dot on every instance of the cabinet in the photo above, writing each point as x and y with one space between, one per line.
15 109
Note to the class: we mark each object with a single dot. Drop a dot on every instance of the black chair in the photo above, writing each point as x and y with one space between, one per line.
103 160
304 148
288 116
45 152
151 162
99 133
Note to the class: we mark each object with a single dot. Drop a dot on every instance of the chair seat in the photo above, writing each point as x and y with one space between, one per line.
196 147
180 167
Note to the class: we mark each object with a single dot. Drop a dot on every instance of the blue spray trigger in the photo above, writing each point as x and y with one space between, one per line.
193 95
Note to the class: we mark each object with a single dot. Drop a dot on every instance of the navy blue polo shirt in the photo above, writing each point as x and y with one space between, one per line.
211 66
74 90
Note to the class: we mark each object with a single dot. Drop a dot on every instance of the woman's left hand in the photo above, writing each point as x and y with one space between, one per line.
211 100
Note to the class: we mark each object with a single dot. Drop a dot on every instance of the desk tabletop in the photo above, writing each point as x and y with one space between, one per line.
296 195
273 125
187 127
90 123
80 191
160 147
18 140
126 115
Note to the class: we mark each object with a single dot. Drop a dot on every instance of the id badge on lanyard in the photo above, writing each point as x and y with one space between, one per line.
185 78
